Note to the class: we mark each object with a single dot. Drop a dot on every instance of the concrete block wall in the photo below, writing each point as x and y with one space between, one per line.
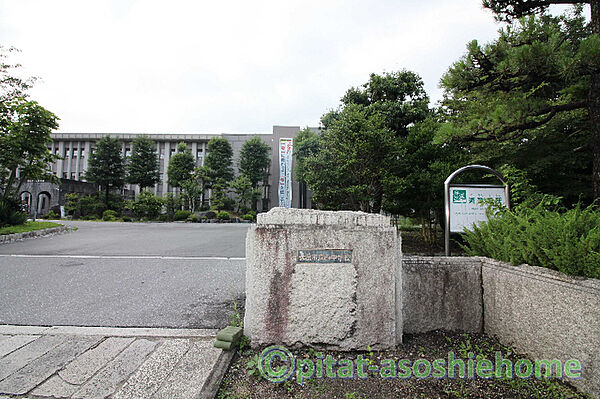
441 293
545 314
540 312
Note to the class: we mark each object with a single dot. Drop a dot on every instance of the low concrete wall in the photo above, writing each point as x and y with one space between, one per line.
441 293
7 238
540 312
545 314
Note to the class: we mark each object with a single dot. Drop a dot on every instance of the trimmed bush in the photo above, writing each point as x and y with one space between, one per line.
146 205
223 215
565 241
192 218
52 215
109 215
94 204
181 215
90 217
248 217
126 219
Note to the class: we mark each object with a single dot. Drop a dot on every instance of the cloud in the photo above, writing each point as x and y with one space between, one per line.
231 66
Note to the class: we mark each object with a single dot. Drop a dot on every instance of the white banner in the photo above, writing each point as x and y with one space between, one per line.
285 172
467 205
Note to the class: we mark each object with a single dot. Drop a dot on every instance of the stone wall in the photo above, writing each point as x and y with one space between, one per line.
545 314
540 312
340 305
441 293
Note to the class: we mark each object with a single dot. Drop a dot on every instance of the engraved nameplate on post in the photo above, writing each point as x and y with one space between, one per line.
324 256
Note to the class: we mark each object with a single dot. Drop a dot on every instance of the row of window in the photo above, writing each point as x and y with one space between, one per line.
73 153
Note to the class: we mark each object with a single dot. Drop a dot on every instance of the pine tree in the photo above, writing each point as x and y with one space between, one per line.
105 166
143 166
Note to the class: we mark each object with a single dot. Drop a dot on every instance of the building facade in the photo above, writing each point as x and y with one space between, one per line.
75 150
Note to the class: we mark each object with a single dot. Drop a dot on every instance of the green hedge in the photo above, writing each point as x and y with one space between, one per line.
109 215
223 215
181 215
565 241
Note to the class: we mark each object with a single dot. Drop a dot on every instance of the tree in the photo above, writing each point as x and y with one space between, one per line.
195 187
12 86
143 166
245 192
25 129
219 167
414 189
541 67
306 144
219 159
181 166
398 96
105 166
349 169
254 164
378 115
255 160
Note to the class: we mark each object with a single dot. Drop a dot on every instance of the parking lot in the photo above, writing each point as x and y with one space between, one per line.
179 275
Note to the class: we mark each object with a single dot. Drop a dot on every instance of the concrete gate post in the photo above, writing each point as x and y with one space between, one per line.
325 279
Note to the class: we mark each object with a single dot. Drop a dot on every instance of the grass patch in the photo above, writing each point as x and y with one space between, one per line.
28 226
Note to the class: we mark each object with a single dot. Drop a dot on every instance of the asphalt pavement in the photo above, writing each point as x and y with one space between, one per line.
178 275
140 239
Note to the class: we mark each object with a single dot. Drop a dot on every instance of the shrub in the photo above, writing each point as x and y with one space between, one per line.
565 241
181 215
10 213
90 217
223 215
94 204
146 205
109 215
52 215
248 217
163 217
170 204
72 205
192 218
126 219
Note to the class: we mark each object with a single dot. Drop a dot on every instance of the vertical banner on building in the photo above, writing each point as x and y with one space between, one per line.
285 172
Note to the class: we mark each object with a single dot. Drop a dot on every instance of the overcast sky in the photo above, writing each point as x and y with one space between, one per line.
200 66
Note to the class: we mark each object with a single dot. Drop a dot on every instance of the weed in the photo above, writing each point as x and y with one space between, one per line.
354 395
236 318
252 367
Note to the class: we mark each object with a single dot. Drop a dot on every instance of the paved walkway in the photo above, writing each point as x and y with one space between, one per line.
99 362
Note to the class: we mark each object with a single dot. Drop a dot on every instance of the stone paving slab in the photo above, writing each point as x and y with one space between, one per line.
99 362
10 344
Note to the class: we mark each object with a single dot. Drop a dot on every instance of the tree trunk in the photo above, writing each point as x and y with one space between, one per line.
106 198
594 106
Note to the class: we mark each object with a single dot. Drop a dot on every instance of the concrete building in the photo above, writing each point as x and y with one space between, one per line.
75 149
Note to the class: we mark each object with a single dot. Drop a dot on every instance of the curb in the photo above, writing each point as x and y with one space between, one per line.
8 238
213 381
201 333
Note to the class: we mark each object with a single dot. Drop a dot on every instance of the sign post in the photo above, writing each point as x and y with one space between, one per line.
465 204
